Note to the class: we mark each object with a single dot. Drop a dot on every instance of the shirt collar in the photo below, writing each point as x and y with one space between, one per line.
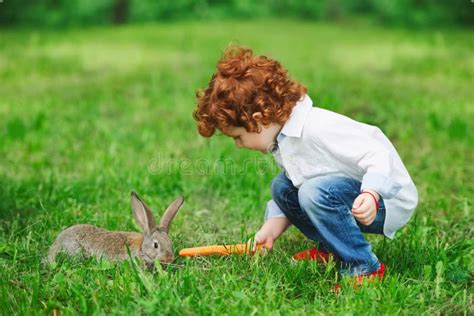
294 125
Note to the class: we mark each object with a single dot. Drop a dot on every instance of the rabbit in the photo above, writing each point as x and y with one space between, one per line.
153 244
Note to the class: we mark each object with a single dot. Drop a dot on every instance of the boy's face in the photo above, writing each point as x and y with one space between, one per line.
262 141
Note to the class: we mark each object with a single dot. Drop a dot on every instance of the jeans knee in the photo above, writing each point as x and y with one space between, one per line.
310 195
320 193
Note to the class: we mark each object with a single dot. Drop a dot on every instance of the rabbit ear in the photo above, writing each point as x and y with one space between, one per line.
143 214
171 212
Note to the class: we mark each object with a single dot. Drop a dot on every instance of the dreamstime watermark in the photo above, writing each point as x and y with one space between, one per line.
220 166
261 165
162 164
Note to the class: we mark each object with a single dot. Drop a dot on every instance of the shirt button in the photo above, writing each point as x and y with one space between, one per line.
274 148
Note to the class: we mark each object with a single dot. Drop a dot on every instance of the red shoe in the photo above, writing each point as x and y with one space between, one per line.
376 274
312 254
359 280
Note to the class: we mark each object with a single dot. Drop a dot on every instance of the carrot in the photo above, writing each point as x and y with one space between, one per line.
223 250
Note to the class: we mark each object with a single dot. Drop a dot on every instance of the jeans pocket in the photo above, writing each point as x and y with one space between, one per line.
291 199
292 204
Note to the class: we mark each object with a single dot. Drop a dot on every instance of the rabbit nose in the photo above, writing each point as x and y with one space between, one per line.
167 258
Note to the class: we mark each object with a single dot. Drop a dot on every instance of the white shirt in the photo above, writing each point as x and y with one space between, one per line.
315 142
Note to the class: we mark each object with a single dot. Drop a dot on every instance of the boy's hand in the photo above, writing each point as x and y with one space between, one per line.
263 238
364 208
270 231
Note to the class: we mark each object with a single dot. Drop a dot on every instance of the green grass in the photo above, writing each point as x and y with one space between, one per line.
88 115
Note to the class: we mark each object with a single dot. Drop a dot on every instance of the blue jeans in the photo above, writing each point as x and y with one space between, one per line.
321 210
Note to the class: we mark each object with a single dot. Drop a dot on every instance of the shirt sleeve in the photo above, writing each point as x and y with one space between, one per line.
364 146
272 210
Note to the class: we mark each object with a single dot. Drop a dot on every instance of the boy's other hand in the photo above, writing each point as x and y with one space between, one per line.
364 208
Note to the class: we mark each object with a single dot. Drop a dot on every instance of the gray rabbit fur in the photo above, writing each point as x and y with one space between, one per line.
153 244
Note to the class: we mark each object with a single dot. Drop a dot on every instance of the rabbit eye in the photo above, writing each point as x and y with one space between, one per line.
155 244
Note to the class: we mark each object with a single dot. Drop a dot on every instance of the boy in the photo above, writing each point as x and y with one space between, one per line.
341 178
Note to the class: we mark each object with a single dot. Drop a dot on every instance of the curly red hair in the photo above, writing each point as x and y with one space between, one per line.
244 91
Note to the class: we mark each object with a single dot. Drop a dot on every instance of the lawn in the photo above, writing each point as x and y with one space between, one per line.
88 115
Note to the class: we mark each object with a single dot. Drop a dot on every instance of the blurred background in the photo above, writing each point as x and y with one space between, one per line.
413 13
